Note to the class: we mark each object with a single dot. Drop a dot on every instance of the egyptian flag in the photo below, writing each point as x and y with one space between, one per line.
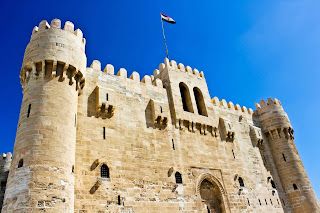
167 18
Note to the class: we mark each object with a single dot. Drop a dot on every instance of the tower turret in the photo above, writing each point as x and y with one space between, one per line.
277 127
41 174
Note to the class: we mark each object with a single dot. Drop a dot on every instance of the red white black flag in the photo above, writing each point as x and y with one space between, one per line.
167 18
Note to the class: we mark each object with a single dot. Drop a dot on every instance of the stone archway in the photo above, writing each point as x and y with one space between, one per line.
212 193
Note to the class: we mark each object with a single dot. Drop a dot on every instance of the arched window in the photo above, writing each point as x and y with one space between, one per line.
20 164
295 187
105 171
273 184
241 181
185 96
200 101
178 178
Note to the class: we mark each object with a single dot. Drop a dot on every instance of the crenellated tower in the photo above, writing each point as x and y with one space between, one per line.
277 127
41 173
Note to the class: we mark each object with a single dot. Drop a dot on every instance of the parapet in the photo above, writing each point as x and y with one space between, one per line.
134 78
56 24
267 106
180 67
237 108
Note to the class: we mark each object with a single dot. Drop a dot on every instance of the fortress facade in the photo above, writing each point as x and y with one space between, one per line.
98 141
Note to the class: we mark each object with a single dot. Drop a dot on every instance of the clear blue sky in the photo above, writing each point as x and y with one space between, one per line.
248 50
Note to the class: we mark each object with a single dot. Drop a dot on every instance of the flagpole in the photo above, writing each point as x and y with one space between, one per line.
164 38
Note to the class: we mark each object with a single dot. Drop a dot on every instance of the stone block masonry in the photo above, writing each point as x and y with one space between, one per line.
93 140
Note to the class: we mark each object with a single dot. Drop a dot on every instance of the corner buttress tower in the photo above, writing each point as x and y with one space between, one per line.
277 127
41 175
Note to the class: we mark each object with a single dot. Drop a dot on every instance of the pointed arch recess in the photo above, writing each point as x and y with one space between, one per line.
209 177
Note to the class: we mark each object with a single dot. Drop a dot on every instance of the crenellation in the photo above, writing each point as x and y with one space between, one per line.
94 141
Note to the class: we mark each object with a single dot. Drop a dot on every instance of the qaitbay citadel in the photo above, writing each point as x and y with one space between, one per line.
93 139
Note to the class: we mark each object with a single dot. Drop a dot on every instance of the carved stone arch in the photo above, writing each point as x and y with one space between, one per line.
216 182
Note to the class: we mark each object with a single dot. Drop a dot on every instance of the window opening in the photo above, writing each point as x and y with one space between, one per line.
284 157
105 171
278 201
248 201
295 186
178 178
185 97
266 201
119 200
160 109
200 102
234 157
271 202
273 184
241 181
72 169
20 164
104 133
259 202
29 110
173 145
107 97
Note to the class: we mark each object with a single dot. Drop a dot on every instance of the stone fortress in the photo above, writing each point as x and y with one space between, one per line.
94 141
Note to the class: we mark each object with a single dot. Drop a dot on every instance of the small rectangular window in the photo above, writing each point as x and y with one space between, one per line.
104 133
234 157
107 97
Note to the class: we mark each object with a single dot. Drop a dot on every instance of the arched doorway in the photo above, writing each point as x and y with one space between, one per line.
210 192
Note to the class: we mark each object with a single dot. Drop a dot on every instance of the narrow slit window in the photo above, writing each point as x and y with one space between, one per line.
72 169
271 202
234 157
266 201
160 109
107 97
295 187
119 200
29 110
20 164
284 157
241 183
173 145
178 178
248 202
104 133
273 184
105 171
259 202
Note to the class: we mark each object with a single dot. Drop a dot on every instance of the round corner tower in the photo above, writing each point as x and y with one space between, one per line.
41 174
277 127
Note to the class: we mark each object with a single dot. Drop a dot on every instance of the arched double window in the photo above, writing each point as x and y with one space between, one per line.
200 101
104 171
178 178
185 97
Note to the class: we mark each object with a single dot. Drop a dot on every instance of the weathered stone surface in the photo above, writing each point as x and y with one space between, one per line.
165 145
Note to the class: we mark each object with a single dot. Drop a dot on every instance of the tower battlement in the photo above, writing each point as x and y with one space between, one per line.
267 106
56 25
172 65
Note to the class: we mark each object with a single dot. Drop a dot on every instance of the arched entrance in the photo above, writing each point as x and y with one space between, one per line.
210 192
